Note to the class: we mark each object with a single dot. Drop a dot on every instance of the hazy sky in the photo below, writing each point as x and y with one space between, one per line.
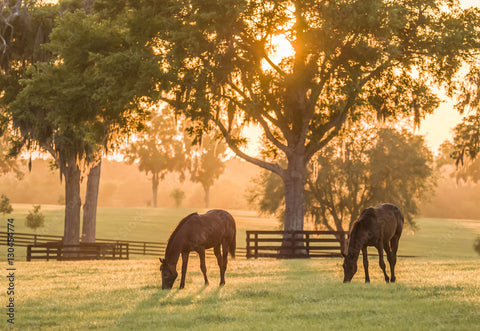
437 127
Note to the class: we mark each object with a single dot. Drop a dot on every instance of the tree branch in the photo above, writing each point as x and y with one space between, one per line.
273 65
270 135
332 128
263 164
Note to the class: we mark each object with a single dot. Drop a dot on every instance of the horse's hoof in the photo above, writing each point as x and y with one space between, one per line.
367 281
392 280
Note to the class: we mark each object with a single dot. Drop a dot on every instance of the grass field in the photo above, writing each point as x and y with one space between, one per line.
437 290
259 295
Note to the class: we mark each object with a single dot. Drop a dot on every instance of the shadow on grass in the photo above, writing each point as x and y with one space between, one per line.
161 299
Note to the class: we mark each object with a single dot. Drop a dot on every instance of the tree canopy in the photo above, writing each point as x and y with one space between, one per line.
82 101
348 58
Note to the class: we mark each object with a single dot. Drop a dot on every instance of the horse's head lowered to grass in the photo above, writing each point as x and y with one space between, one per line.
349 267
168 275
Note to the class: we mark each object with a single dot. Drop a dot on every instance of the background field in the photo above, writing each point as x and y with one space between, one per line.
439 289
434 238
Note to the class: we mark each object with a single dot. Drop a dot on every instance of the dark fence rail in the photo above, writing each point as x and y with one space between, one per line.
97 251
144 248
294 244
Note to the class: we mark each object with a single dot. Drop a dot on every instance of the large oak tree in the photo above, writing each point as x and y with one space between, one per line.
348 57
88 96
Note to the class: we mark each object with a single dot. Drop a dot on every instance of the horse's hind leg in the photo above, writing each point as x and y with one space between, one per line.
388 249
393 257
203 267
223 268
365 264
382 262
218 254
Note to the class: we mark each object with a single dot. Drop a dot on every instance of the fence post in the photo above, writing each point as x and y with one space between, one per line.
293 239
35 240
248 244
29 253
307 240
256 245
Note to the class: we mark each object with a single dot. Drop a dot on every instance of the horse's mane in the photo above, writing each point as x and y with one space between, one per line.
180 224
365 216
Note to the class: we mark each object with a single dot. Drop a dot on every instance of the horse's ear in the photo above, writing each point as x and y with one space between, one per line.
161 260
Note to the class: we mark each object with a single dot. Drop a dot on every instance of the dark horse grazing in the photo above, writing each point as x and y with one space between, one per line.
196 233
381 227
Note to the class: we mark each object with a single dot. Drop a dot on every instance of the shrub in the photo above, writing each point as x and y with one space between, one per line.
35 219
178 195
5 206
476 245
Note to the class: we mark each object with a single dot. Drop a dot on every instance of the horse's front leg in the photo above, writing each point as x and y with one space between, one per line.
184 268
381 261
203 267
365 264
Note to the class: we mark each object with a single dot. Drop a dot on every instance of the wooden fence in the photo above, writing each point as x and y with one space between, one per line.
38 244
300 244
96 251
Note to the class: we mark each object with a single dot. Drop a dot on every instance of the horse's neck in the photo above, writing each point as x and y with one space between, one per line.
172 254
358 242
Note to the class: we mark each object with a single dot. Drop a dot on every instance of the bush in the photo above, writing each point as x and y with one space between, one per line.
35 219
5 206
178 195
476 245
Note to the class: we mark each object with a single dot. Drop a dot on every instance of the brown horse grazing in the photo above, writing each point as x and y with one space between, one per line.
380 227
196 233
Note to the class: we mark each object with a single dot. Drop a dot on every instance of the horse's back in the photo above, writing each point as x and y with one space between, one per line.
208 230
221 218
392 219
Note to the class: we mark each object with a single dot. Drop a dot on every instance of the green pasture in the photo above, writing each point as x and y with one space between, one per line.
438 284
259 295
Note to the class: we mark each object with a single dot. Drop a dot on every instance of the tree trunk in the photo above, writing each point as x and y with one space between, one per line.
294 182
73 203
90 205
154 189
207 196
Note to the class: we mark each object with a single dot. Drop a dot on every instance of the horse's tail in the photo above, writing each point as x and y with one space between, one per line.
233 243
400 221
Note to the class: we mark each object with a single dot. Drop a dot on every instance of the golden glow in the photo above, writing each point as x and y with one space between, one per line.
282 48
279 49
